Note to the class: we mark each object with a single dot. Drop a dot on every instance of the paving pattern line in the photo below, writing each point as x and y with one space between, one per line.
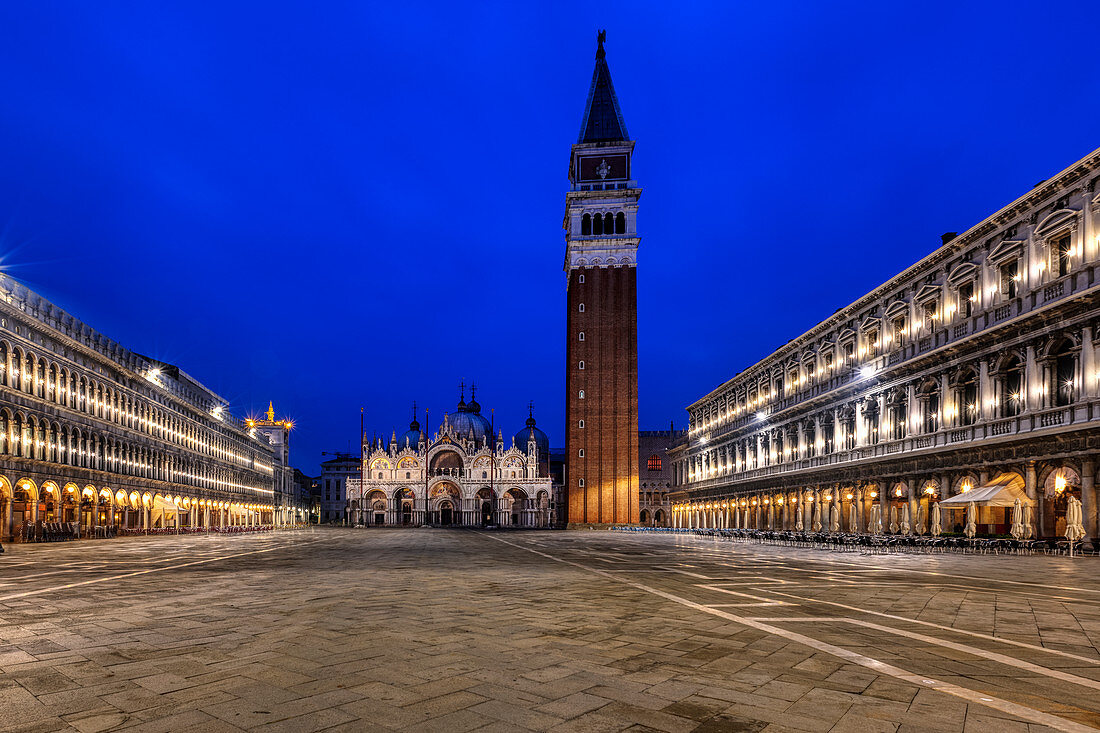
40 591
1005 706
870 568
953 630
974 651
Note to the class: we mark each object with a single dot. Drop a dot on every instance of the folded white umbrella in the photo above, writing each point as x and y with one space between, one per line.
853 518
1017 529
893 518
905 528
937 523
746 517
771 515
921 512
798 526
834 524
1029 522
816 524
971 520
1075 530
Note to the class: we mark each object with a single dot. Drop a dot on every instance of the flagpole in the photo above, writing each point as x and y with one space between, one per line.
492 461
427 441
362 474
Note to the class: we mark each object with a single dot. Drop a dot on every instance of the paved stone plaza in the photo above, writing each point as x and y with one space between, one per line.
341 629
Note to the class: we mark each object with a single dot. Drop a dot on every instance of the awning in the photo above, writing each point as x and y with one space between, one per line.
1002 491
165 506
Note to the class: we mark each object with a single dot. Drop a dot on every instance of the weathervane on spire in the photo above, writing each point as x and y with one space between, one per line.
601 36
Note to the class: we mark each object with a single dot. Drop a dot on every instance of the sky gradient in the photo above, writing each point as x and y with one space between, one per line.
362 206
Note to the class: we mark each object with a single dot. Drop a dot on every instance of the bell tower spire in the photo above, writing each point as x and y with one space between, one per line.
601 257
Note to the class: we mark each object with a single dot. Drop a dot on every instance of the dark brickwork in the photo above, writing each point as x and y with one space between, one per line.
609 409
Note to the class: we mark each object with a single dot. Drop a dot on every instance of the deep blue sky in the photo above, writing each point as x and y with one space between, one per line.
337 205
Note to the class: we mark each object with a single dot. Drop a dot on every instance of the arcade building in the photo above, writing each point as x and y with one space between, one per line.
100 438
973 373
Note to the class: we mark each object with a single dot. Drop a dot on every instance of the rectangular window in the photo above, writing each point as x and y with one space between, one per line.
1061 252
931 309
966 300
899 329
1009 278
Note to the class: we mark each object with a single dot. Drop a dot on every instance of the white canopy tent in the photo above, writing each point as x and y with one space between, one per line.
1001 492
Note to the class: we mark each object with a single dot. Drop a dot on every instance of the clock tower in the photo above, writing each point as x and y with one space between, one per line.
601 257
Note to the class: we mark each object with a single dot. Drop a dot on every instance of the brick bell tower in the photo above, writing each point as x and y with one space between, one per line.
601 371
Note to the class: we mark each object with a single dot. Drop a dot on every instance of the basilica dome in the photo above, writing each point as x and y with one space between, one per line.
464 420
541 441
410 437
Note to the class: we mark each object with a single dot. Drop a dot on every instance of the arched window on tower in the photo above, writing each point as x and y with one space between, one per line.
586 224
608 223
620 223
597 224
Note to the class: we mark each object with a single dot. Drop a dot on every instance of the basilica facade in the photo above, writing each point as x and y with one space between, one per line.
460 475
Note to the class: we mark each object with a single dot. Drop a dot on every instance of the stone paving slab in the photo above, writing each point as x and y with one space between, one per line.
435 630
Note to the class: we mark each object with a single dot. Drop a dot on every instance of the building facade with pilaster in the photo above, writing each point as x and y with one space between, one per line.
99 438
974 368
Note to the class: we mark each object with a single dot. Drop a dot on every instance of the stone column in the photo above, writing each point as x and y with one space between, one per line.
914 503
9 520
985 392
857 499
1033 381
1032 492
1088 364
884 500
1088 496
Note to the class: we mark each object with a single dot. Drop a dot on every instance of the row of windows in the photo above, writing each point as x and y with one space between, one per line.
31 375
933 307
887 414
596 224
39 439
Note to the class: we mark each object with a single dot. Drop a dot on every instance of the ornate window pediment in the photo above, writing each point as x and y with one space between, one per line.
1006 249
927 292
1056 220
963 272
898 307
846 335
